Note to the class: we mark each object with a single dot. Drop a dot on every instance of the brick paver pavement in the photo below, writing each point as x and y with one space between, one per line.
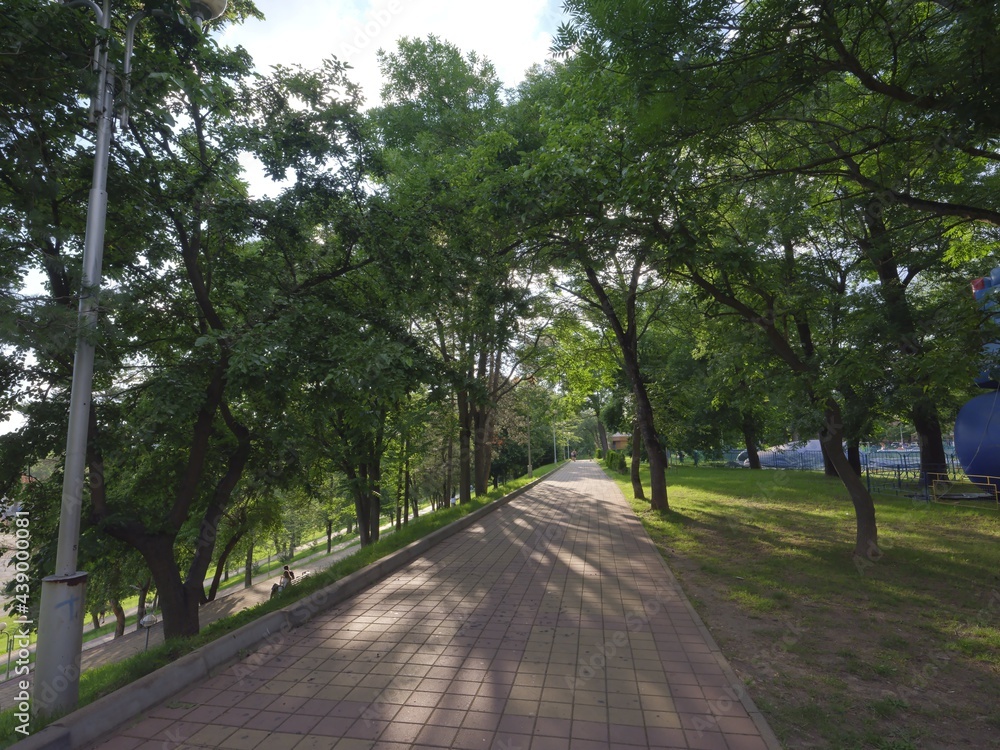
550 624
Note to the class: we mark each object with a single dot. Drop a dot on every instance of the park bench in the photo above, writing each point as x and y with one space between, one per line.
277 588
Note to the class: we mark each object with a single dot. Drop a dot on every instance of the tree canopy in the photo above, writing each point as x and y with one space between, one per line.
723 225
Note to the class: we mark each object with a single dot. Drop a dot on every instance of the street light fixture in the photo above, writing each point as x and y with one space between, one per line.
60 621
206 10
147 623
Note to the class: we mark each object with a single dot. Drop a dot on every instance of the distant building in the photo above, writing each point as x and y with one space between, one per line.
618 441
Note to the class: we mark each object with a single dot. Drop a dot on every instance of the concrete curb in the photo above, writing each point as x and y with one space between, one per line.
737 691
92 722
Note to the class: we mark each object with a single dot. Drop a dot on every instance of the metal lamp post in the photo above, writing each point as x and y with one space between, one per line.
147 623
8 647
60 621
531 471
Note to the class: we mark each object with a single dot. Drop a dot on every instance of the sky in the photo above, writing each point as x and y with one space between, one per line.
513 35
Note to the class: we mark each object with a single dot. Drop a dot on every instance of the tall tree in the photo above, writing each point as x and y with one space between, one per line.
873 100
181 404
445 150
586 202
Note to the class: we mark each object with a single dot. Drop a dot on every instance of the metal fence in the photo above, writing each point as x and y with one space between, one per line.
898 473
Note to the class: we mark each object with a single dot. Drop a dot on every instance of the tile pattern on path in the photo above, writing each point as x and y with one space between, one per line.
550 624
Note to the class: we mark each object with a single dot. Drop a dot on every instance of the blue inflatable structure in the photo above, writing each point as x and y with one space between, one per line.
977 427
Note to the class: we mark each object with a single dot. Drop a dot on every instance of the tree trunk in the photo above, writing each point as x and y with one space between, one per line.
901 325
208 529
116 607
531 469
654 451
180 611
828 467
406 489
223 559
449 460
854 455
866 549
857 423
399 497
602 435
248 567
627 337
933 462
329 535
95 619
362 511
637 490
416 503
361 492
178 601
482 420
750 440
371 449
464 438
644 422
374 499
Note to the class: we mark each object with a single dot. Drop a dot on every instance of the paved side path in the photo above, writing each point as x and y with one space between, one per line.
108 649
551 624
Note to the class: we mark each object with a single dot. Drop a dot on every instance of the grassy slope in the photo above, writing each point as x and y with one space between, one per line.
901 652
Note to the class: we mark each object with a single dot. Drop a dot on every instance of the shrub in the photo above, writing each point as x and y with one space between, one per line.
616 461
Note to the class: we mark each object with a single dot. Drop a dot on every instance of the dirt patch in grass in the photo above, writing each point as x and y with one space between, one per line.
899 654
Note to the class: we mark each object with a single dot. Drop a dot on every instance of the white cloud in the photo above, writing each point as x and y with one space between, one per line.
15 422
513 35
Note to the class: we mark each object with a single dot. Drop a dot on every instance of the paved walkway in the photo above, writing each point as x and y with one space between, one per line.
550 624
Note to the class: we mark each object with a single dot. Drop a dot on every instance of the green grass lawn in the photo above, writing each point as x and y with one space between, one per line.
895 654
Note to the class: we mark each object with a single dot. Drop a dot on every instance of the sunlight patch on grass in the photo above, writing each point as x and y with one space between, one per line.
981 644
752 601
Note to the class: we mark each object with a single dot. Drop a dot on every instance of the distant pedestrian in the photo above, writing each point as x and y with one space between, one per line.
572 455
